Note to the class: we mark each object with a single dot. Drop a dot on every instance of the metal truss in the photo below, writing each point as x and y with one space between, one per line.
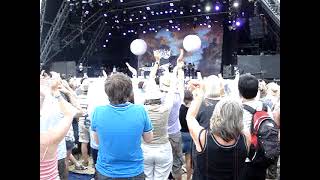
54 30
89 49
42 13
273 9
70 36
71 39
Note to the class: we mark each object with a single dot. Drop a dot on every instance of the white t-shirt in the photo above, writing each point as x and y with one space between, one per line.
96 97
247 116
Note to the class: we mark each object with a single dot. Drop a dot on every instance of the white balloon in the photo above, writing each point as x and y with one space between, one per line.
191 43
138 47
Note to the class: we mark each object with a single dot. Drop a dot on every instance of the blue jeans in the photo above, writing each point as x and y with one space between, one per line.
186 142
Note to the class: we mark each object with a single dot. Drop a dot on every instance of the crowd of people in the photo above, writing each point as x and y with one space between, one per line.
161 127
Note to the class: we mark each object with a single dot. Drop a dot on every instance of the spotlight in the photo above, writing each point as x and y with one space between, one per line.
157 13
199 10
209 26
170 21
217 7
207 17
109 34
238 23
229 21
144 17
190 10
87 12
121 1
176 26
208 8
204 24
156 31
144 32
124 34
105 15
130 19
175 10
201 24
141 25
171 4
107 40
140 12
178 29
129 31
166 12
181 12
137 18
170 11
161 12
104 46
236 4
167 29
148 8
135 33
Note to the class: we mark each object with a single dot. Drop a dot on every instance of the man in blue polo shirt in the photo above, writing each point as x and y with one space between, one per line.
118 128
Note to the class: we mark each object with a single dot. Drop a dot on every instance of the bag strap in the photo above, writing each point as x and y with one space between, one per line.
250 109
200 139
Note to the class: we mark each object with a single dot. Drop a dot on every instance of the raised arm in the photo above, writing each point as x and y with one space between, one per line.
180 71
193 125
58 132
156 65
132 70
66 89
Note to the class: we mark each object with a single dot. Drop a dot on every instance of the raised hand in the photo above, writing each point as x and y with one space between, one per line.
156 55
180 58
131 69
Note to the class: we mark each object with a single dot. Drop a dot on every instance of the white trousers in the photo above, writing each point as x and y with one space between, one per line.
157 161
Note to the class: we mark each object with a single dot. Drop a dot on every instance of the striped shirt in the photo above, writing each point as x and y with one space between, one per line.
49 169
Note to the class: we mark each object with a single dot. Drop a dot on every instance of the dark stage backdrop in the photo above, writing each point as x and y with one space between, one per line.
207 59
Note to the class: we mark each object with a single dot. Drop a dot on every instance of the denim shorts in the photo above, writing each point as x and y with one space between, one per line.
186 142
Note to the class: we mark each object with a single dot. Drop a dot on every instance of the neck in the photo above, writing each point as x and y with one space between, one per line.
247 100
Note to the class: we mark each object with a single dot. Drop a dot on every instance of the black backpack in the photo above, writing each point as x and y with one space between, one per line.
265 145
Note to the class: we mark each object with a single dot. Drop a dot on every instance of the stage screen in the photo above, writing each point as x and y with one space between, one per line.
207 59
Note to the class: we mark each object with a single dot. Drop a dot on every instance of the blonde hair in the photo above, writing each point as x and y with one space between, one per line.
212 87
226 119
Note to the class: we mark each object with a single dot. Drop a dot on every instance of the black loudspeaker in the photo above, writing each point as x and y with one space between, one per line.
64 67
256 28
264 67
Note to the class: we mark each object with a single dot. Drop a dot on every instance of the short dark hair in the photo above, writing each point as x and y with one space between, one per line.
248 86
188 97
118 88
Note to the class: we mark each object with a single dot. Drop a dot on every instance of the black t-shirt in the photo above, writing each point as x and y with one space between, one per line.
205 112
182 118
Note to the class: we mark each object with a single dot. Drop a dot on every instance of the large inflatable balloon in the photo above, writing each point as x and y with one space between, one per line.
138 47
191 43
